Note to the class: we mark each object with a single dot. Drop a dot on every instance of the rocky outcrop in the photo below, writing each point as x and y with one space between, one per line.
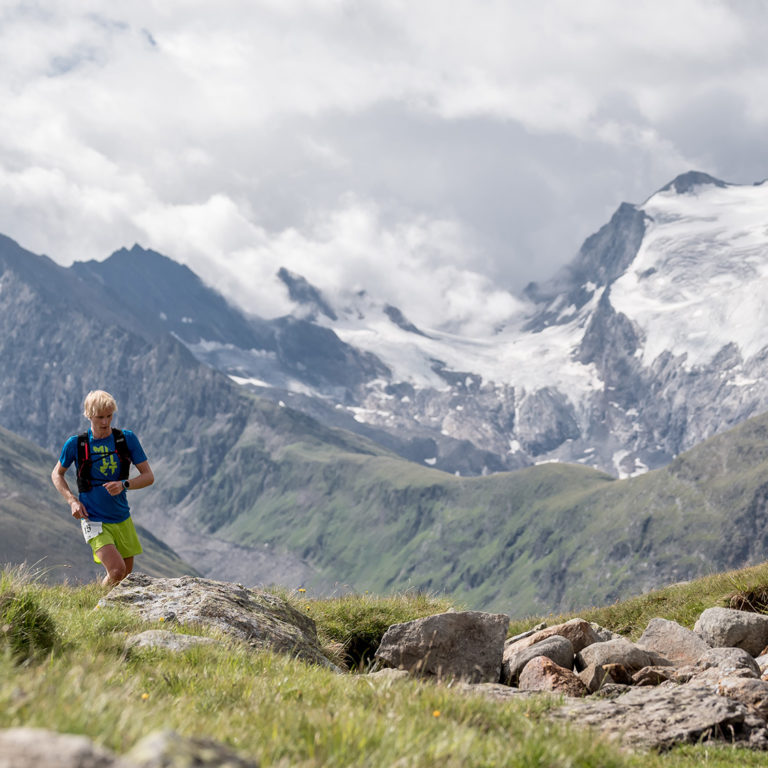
662 717
669 688
462 645
259 618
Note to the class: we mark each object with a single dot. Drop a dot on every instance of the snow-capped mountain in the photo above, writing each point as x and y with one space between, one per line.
651 340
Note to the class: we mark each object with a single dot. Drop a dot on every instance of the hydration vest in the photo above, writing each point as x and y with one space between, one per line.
84 460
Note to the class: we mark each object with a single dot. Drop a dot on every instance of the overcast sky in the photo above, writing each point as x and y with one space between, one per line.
438 154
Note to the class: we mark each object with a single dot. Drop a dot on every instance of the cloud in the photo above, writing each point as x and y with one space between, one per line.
478 144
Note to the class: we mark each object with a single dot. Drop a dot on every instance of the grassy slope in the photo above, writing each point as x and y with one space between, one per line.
35 526
283 712
551 537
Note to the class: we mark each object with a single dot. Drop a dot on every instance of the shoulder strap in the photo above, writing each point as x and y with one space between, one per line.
83 463
121 449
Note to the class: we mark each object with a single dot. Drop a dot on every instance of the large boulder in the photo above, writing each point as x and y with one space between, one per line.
542 674
556 648
620 651
259 618
662 717
674 642
730 628
465 645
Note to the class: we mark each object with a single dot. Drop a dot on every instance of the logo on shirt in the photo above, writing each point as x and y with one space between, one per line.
107 464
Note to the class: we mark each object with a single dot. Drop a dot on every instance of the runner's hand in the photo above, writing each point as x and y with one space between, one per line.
78 510
114 487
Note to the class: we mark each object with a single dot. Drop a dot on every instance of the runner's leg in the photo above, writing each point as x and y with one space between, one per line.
113 563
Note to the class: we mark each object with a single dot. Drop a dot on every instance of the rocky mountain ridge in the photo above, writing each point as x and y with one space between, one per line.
648 342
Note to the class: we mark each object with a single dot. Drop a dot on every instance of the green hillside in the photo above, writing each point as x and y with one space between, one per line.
547 538
76 677
36 527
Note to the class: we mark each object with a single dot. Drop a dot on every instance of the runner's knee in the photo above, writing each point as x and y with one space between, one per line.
116 571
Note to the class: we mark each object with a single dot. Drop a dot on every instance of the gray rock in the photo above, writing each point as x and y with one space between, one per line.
466 645
557 648
662 717
579 632
603 634
259 618
729 628
753 693
620 651
167 749
167 640
674 642
494 691
36 747
717 664
729 660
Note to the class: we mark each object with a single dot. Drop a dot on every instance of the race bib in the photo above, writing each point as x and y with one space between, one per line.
90 528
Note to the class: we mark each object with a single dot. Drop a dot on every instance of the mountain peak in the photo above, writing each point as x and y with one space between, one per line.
685 182
303 292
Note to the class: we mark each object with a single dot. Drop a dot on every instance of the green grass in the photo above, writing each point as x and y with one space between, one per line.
284 712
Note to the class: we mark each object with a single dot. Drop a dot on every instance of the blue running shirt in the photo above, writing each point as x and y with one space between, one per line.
105 466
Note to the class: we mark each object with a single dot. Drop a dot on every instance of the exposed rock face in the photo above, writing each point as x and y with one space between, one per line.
727 627
673 642
753 693
464 645
258 618
169 641
661 717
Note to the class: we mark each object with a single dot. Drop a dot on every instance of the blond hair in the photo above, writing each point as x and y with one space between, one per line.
98 401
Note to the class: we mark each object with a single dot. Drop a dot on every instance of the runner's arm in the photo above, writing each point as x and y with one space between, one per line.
60 484
145 478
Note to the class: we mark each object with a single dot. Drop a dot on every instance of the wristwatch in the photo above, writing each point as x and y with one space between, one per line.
126 484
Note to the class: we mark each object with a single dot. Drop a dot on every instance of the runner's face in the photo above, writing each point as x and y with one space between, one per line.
101 424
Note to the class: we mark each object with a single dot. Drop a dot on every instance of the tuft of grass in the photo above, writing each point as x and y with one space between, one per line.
26 627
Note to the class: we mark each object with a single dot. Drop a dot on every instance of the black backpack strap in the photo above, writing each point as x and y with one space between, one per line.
121 449
83 463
